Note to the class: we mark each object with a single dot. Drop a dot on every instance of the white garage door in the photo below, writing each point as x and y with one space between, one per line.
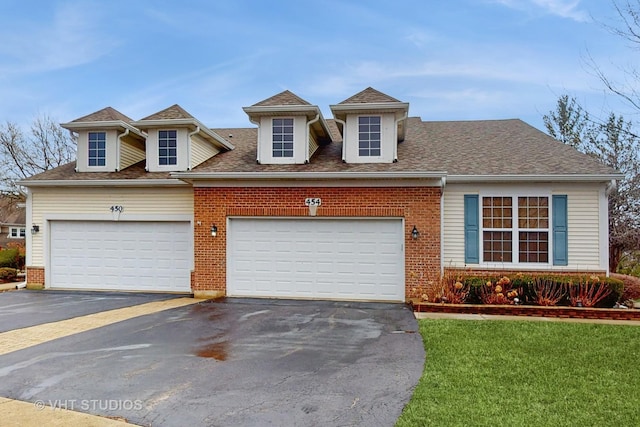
316 258
122 255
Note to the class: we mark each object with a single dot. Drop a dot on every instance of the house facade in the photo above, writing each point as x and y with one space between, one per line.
364 206
12 221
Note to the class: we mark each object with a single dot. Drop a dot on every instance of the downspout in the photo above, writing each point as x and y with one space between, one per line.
195 132
306 148
444 183
344 139
395 131
119 140
258 142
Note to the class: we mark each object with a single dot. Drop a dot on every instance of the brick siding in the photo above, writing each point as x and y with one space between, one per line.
35 276
419 206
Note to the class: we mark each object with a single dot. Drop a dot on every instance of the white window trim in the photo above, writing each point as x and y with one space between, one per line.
515 230
293 150
177 137
379 116
106 154
20 231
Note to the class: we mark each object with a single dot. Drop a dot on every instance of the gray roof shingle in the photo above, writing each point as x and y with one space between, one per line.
104 115
462 148
283 98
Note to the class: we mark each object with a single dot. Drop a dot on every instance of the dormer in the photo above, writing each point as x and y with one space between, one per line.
107 141
176 141
372 124
290 129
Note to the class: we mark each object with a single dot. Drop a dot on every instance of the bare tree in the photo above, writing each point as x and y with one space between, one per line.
44 147
628 28
617 146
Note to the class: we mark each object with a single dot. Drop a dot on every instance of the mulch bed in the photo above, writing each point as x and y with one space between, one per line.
529 310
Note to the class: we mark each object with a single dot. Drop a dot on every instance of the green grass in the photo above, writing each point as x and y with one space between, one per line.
526 373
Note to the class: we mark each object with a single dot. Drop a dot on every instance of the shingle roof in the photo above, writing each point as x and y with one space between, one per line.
283 98
11 212
173 112
369 96
104 115
465 148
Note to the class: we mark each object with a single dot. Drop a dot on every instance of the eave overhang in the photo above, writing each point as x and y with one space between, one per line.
192 125
477 179
107 124
168 182
304 176
400 109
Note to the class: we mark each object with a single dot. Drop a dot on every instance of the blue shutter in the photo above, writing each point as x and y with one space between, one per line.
471 229
560 241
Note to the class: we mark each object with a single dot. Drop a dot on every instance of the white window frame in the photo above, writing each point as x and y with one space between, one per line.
97 150
283 134
166 140
369 140
17 232
515 231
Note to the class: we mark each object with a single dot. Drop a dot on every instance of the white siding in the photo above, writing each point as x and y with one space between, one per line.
583 222
265 142
95 203
131 152
313 144
201 151
388 139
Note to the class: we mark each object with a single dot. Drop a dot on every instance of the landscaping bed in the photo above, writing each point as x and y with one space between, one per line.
528 310
562 296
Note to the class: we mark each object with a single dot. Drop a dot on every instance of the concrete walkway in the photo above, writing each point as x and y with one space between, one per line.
27 414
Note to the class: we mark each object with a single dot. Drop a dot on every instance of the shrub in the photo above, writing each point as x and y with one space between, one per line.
548 291
631 291
499 292
8 274
10 258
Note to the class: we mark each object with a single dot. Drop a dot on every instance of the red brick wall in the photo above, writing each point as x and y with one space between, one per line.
420 206
35 275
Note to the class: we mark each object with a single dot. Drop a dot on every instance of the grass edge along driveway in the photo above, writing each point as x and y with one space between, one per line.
520 373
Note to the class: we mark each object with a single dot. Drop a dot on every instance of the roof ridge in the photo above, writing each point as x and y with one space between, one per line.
369 96
286 97
173 112
103 115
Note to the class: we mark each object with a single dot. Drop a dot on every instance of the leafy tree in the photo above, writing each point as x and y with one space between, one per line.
614 144
45 146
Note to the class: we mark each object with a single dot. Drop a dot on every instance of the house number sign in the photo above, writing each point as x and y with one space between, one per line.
312 201
117 208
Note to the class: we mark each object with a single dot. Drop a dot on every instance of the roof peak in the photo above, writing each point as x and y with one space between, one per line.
286 97
173 112
105 115
369 96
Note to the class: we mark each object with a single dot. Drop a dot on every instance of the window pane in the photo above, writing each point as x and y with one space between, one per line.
282 130
369 136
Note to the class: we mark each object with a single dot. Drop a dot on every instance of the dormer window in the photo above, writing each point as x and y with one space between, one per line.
369 136
282 137
97 155
167 147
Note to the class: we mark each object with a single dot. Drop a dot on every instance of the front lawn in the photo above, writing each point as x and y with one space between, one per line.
526 373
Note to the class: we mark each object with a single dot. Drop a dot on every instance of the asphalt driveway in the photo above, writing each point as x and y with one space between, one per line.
232 362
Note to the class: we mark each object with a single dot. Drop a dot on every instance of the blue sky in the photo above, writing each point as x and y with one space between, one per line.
451 60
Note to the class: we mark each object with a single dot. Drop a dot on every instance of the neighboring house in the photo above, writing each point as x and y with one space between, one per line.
364 206
12 221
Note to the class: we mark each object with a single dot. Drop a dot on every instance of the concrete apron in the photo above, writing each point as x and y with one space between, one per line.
17 413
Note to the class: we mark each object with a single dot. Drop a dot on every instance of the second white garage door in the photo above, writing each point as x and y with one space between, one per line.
316 258
121 255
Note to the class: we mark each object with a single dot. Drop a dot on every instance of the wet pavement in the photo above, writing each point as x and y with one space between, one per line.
232 362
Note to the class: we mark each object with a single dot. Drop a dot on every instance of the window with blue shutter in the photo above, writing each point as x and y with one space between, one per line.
560 241
471 229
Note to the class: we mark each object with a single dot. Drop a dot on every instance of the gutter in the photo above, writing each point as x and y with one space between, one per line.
195 176
195 132
161 182
457 179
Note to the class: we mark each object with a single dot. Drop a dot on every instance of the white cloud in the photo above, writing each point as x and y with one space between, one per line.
70 39
569 9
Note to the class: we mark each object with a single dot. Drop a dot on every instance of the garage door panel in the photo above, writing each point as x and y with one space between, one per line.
316 258
150 256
